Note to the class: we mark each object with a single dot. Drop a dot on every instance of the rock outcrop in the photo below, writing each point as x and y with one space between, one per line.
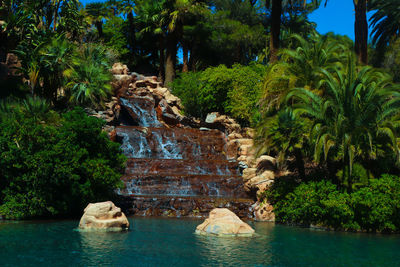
263 212
103 216
223 222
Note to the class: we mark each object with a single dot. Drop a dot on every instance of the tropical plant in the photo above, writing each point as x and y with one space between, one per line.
89 77
96 12
277 9
55 169
354 119
300 67
284 135
385 21
360 30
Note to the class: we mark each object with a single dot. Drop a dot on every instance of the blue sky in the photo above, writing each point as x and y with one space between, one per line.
337 17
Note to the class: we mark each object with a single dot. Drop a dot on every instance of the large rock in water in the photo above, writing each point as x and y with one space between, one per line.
103 216
223 222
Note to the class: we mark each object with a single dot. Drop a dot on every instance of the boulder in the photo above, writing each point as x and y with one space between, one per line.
223 222
266 163
264 212
249 173
119 69
222 123
103 216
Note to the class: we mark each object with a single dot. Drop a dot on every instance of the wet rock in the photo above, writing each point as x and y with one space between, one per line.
211 117
103 216
223 222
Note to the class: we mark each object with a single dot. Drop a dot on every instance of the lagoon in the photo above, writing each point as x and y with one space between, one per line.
172 242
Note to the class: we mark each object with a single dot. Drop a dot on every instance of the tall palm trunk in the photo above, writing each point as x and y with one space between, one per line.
131 30
361 30
170 59
99 26
276 14
161 73
300 163
185 67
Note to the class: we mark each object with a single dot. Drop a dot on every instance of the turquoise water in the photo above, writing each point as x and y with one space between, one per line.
171 242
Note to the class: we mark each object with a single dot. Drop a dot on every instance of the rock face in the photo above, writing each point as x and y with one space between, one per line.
264 212
178 164
103 216
223 222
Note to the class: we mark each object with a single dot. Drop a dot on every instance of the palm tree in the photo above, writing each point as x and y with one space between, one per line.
151 14
284 134
300 67
128 7
360 30
96 13
89 78
277 7
354 116
385 21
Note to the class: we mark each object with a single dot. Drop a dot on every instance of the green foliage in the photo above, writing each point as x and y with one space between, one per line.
300 67
234 91
371 208
317 203
391 62
283 135
115 38
88 82
377 206
354 117
384 20
58 68
51 168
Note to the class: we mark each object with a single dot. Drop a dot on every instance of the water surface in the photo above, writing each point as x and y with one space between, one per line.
171 242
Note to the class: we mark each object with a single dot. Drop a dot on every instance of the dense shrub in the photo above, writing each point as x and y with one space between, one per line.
234 91
318 203
377 207
55 168
372 208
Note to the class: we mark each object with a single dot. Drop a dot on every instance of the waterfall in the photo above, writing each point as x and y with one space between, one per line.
166 165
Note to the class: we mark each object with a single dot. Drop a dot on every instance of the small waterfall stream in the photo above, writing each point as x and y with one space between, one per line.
175 170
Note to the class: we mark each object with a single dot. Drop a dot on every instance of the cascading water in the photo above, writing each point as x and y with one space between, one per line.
178 170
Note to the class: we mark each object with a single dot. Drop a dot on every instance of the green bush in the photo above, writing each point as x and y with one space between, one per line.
317 203
372 208
377 207
55 168
234 91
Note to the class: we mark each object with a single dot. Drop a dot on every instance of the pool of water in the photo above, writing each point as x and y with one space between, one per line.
171 242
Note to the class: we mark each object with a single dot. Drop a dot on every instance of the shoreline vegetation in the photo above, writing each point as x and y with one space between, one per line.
325 107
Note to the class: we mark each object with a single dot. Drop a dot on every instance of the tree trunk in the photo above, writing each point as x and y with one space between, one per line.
192 59
99 26
170 59
161 73
300 163
185 67
132 31
276 14
361 30
56 15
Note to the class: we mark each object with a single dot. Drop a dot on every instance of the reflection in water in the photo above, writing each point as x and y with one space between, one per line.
229 250
97 246
172 242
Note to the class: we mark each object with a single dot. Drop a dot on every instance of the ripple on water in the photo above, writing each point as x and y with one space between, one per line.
172 242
